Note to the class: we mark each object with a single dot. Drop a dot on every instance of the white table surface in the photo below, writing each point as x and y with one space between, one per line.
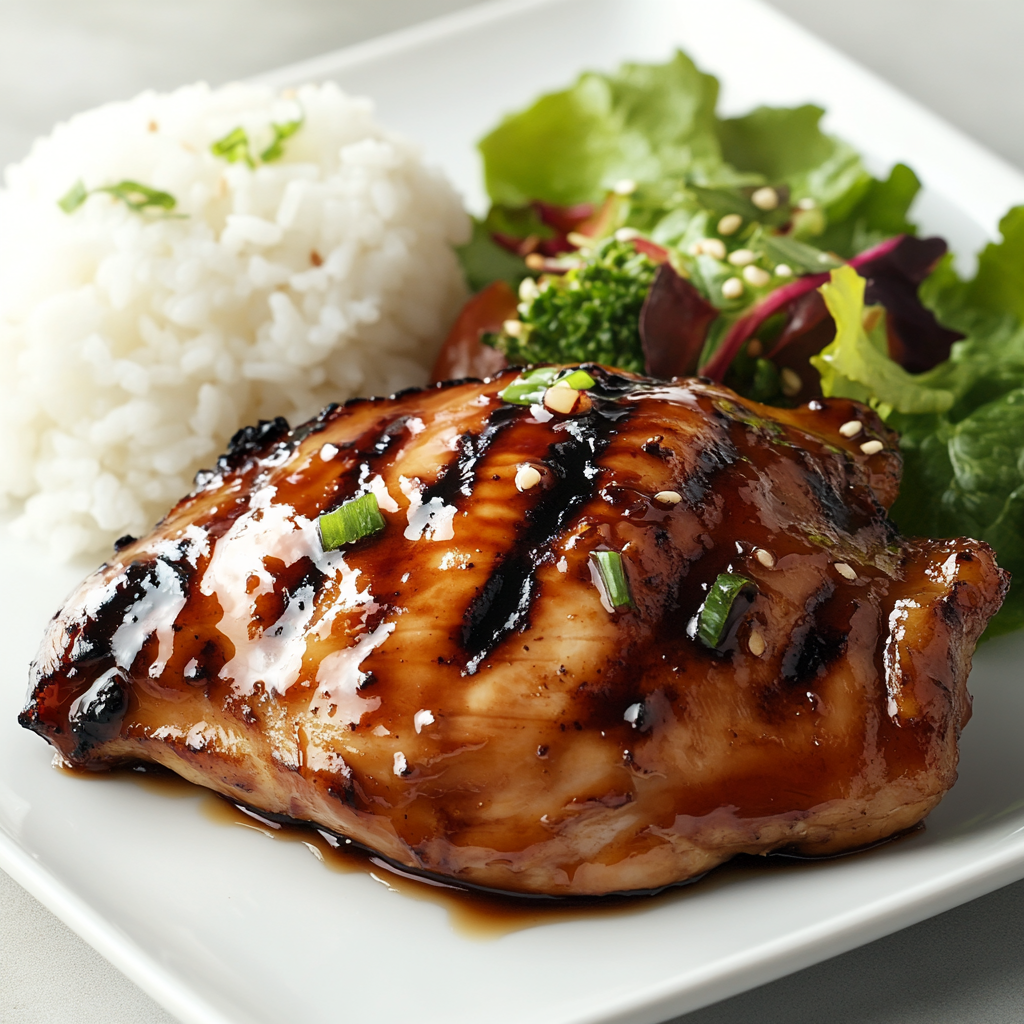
959 57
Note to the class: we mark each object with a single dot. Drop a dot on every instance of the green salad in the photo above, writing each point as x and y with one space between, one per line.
642 230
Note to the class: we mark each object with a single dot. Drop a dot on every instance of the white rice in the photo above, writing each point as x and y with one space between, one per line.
132 345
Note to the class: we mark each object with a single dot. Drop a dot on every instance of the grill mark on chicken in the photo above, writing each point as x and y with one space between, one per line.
503 605
374 450
96 716
456 479
602 751
836 512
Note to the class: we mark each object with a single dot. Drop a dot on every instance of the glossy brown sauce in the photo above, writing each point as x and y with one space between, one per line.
472 913
230 635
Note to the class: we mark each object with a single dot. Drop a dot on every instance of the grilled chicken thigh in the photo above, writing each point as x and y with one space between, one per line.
463 693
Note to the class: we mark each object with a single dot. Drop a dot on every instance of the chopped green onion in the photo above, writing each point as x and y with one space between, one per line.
713 617
281 132
234 147
354 520
578 380
613 577
74 197
137 197
529 388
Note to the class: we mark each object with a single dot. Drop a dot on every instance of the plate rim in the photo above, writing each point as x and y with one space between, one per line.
729 975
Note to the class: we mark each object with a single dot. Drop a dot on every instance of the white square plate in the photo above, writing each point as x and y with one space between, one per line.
221 926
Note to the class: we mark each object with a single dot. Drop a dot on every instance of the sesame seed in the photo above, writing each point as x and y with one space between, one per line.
730 224
528 289
757 276
626 234
791 382
783 270
513 328
846 570
401 766
668 497
625 187
580 241
871 447
765 557
714 247
535 261
741 257
526 477
806 204
755 348
765 198
851 428
733 288
756 644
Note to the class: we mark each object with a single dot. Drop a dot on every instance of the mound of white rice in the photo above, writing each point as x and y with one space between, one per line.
134 343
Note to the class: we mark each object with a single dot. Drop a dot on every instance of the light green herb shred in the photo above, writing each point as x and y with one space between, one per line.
613 577
74 197
281 132
134 195
234 147
579 380
528 388
352 521
140 197
714 615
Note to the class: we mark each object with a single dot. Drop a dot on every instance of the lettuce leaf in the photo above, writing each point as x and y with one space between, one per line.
964 469
880 212
857 364
961 424
999 284
967 478
647 122
785 145
484 261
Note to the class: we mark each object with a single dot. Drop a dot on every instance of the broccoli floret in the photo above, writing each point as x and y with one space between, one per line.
589 314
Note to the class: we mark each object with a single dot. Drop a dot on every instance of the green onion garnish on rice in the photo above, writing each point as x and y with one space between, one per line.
134 195
281 132
74 197
713 617
140 197
613 577
352 521
234 147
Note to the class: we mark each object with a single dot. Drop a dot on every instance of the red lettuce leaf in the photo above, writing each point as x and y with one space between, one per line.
893 270
674 322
